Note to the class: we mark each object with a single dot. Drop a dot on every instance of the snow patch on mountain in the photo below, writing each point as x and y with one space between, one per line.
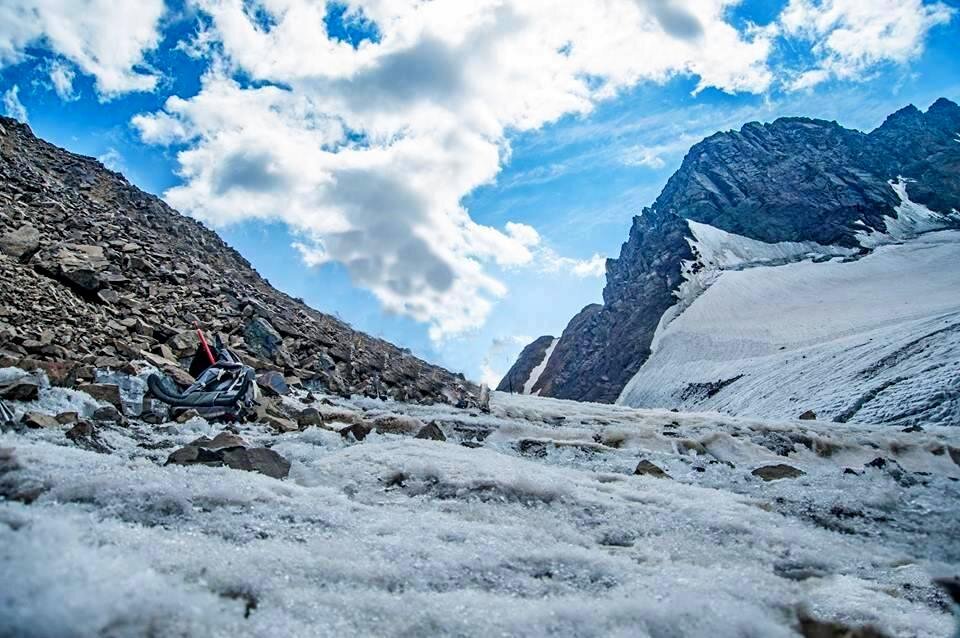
717 250
875 339
537 371
912 219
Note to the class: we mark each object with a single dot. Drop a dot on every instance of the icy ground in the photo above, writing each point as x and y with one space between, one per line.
525 522
875 340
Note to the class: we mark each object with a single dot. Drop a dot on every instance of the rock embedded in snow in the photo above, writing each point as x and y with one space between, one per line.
262 460
356 431
777 472
648 468
35 419
809 415
309 417
107 414
279 423
22 389
106 392
432 432
84 434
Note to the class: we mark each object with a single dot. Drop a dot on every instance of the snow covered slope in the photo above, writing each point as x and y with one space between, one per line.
873 340
524 522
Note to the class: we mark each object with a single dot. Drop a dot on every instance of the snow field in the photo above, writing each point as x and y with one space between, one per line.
402 537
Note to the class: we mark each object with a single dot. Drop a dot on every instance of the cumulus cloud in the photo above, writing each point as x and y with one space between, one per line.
851 37
12 106
103 38
366 148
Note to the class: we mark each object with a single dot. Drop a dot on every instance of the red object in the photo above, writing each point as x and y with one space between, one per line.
206 348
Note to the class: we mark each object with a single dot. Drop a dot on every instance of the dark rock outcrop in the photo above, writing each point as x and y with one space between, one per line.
796 179
95 273
531 357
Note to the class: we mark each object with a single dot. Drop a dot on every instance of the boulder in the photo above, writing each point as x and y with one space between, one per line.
81 266
309 417
107 414
39 420
21 243
262 338
432 432
194 455
85 435
357 431
279 423
259 459
22 389
225 440
809 415
647 468
776 472
105 392
66 418
273 384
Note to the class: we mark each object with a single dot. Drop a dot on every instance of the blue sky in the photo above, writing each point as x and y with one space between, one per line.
453 177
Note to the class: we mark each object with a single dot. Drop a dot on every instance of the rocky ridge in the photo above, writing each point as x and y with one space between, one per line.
795 179
95 273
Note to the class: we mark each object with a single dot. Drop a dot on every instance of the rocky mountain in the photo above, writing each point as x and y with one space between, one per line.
94 273
528 366
794 190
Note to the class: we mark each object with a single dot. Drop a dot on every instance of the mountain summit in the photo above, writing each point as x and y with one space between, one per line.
839 205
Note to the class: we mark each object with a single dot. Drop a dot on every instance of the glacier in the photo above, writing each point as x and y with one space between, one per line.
773 330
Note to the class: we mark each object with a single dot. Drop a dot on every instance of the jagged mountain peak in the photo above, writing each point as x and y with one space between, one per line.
782 191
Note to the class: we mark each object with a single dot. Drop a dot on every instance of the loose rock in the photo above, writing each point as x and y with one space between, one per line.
778 471
647 468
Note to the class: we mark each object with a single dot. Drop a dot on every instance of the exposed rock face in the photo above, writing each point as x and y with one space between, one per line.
795 179
531 357
95 272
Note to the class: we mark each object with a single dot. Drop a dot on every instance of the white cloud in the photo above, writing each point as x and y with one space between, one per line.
367 152
12 105
104 38
61 78
112 159
647 156
849 38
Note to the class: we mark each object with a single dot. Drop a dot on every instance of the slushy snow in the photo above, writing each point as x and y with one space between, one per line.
540 528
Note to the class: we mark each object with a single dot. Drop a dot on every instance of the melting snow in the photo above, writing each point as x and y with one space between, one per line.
542 530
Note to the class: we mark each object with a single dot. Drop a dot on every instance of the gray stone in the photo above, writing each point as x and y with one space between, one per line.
432 432
39 420
647 468
809 415
777 472
105 392
262 338
260 459
273 384
21 243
